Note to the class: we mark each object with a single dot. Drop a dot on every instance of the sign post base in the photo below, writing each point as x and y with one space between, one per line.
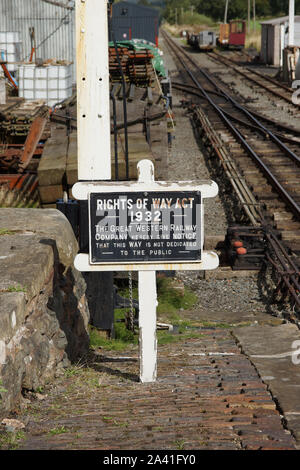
147 325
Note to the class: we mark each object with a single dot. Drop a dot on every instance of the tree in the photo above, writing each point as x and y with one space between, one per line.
236 9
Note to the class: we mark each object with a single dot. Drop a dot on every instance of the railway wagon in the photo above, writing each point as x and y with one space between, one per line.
191 39
205 40
232 35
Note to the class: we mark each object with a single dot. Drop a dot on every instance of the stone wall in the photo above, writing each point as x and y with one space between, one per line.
43 309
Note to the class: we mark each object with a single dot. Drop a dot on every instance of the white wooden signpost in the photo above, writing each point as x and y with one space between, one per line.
142 225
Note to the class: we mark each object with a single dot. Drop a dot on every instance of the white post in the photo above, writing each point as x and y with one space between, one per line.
147 301
249 15
282 43
291 22
147 325
93 116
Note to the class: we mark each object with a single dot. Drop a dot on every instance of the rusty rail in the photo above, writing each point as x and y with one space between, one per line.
246 74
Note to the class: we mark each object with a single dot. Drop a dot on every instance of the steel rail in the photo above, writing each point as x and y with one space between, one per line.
259 74
294 207
285 128
244 74
250 206
194 91
283 258
274 138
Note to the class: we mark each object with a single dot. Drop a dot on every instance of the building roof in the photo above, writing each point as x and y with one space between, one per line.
282 20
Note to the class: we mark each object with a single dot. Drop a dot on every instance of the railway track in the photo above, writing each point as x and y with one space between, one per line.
260 80
262 163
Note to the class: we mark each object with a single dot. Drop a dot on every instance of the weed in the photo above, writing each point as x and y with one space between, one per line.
164 337
71 371
180 444
58 430
5 231
170 302
11 440
203 443
123 337
17 288
2 389
114 422
208 324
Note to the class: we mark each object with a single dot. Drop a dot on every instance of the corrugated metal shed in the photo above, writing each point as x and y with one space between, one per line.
54 27
131 21
274 38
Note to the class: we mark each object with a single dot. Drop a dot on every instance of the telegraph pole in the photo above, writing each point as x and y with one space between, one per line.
226 12
254 16
249 9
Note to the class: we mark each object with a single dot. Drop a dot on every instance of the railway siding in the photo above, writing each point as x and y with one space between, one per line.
266 155
260 318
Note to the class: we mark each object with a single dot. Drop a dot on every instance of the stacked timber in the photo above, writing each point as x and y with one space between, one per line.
58 171
52 168
114 69
147 138
140 68
136 66
138 149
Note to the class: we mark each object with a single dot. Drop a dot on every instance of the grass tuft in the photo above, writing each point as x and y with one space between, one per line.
58 430
172 299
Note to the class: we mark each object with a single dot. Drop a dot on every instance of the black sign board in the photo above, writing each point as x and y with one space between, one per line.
145 227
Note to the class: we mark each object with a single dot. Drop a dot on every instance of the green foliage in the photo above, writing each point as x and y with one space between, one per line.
11 440
179 445
215 10
17 288
58 430
196 18
170 302
5 231
2 389
123 337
